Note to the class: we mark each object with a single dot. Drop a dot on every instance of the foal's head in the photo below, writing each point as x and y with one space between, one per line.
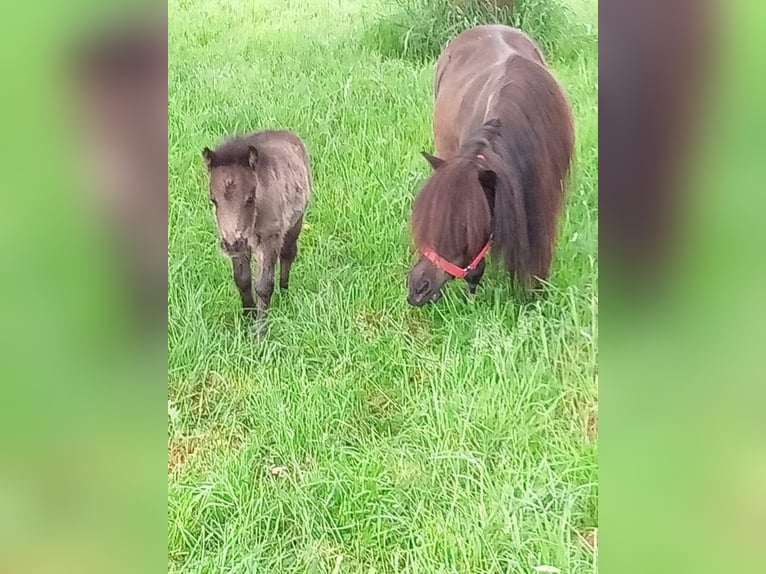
451 216
232 169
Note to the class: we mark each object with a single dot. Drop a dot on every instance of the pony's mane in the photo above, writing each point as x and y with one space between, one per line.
451 213
534 138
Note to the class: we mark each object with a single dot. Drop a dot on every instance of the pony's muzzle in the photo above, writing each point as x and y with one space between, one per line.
423 293
416 301
419 300
419 293
424 283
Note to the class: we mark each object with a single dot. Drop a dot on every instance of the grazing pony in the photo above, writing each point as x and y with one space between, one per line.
260 185
505 137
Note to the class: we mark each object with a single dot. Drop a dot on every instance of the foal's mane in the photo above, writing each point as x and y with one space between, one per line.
235 150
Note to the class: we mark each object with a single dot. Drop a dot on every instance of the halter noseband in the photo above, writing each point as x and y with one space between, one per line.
451 268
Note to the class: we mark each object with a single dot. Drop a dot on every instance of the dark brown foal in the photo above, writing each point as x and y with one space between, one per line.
260 185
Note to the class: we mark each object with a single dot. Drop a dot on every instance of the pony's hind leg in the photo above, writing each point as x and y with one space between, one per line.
473 279
288 253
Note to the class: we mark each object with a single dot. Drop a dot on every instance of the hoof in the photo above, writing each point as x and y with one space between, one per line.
260 327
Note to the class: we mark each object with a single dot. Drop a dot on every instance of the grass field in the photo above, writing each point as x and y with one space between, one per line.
365 435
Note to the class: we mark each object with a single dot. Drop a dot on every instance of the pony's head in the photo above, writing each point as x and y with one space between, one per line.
451 223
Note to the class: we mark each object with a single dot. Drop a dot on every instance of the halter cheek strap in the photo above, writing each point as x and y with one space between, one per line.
452 269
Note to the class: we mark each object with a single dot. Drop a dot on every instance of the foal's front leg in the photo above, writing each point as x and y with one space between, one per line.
474 278
266 258
243 280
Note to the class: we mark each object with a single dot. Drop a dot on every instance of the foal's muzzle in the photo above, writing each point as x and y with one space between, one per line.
238 247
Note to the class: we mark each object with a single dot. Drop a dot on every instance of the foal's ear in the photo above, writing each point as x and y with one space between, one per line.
252 156
488 181
209 157
433 160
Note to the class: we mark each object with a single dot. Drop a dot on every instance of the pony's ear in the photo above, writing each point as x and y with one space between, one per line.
488 181
433 160
252 156
209 157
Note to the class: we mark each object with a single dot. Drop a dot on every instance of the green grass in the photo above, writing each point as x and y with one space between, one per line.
452 438
419 29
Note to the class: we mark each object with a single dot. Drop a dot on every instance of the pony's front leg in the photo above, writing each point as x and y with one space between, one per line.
266 255
473 279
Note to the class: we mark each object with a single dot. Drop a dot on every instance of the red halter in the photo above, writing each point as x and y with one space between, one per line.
451 268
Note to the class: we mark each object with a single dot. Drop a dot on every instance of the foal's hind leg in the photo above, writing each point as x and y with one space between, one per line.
288 253
474 278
